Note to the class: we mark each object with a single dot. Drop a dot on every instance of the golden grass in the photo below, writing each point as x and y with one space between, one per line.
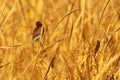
81 40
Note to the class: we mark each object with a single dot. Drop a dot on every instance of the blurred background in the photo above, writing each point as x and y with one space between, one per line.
81 40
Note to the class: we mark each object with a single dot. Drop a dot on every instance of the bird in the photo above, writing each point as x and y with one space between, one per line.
38 31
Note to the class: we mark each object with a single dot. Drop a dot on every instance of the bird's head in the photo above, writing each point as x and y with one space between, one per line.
38 24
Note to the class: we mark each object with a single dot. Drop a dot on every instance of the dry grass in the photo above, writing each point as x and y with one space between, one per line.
81 41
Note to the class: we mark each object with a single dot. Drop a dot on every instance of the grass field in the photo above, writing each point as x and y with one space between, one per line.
81 40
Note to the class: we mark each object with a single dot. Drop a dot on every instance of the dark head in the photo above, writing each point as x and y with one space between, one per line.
38 24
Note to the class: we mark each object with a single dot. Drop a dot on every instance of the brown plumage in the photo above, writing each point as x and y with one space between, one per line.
38 31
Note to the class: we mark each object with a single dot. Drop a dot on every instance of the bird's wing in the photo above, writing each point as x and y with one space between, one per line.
36 32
